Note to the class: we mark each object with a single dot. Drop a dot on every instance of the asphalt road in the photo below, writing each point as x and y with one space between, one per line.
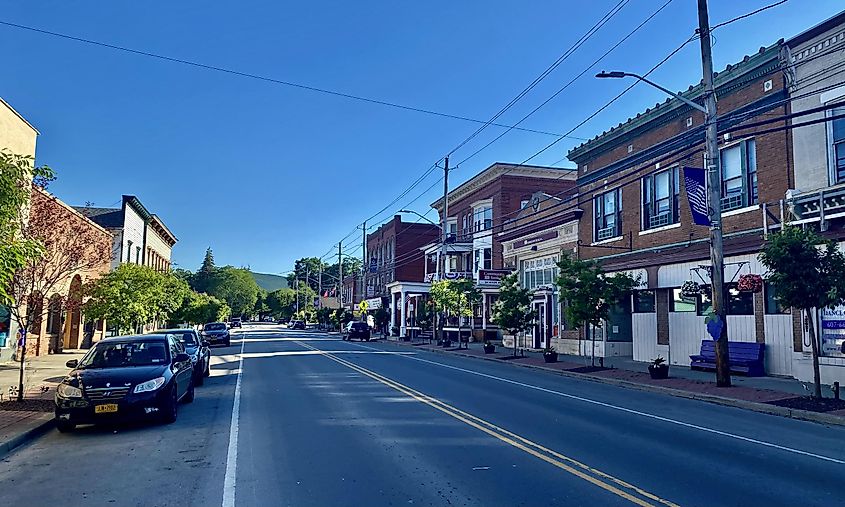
323 422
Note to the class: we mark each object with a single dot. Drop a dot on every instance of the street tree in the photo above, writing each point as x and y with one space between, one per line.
466 298
198 308
133 295
69 247
282 303
590 294
341 317
18 174
382 319
442 298
235 286
807 272
512 311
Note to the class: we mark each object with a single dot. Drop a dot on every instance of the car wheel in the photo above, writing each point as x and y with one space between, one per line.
189 396
171 408
65 426
199 379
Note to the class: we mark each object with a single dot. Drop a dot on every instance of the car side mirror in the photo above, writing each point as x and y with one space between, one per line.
181 358
73 363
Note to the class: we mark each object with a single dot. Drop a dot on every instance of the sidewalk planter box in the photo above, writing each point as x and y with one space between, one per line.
489 348
658 372
550 357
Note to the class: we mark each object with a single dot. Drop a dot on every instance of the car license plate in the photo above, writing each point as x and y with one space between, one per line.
104 409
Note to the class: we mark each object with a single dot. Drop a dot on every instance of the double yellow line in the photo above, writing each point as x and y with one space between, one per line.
596 477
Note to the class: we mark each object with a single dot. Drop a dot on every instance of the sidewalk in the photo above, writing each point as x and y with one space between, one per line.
22 421
774 395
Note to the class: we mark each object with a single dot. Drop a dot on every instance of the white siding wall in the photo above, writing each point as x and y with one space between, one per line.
644 327
686 330
133 230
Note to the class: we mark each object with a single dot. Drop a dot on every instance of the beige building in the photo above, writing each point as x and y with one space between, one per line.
159 241
17 136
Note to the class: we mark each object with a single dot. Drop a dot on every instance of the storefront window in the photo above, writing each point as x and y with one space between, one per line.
539 272
643 301
5 325
773 305
679 303
736 302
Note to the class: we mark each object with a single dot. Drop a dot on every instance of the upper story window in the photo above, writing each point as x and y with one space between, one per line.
482 218
838 145
607 213
660 199
739 175
484 258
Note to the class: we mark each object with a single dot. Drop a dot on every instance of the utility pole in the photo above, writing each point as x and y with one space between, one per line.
297 295
363 265
714 191
441 266
340 274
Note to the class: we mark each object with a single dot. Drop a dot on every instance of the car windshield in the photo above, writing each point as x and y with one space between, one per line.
215 327
119 354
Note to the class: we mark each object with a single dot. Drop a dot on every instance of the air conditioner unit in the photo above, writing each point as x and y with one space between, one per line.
659 220
606 233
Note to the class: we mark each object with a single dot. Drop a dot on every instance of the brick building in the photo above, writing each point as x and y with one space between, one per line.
478 208
818 196
393 253
636 218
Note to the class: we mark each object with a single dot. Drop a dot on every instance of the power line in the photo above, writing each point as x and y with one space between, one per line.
747 14
267 79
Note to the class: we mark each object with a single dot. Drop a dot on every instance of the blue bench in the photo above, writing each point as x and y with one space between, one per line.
744 357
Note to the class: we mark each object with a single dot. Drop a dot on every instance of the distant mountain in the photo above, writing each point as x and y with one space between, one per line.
270 282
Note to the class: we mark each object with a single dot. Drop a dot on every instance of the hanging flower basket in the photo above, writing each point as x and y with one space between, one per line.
750 283
690 289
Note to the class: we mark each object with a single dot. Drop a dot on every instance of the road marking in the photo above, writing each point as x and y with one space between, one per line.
604 481
232 452
627 410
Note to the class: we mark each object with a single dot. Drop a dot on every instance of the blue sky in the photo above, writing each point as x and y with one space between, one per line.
265 174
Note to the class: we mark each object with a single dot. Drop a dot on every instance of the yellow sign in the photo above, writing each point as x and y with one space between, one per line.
363 306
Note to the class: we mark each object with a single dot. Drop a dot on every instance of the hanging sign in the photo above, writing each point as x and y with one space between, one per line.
696 195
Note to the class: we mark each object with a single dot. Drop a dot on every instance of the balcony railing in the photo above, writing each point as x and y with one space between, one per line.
821 204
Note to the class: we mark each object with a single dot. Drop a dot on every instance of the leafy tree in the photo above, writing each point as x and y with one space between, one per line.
442 299
324 316
307 270
261 308
132 295
341 317
282 303
806 271
454 298
69 246
17 174
197 308
589 293
512 311
467 297
235 286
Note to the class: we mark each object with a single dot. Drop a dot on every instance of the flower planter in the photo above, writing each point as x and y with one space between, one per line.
550 357
658 372
489 348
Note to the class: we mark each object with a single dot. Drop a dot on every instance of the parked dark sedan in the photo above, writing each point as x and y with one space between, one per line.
197 348
360 330
216 332
125 378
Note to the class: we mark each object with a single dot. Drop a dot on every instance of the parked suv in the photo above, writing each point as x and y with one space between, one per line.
360 330
296 324
235 322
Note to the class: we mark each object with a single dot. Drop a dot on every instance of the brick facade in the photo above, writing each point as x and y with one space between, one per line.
395 248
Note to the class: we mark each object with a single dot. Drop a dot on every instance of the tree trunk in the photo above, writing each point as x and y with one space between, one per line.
23 362
817 382
514 344
593 340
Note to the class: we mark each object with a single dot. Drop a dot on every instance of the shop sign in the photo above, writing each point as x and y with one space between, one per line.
491 277
373 304
833 332
546 236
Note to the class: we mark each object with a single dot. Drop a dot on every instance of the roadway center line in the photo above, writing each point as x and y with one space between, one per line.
232 452
624 409
604 481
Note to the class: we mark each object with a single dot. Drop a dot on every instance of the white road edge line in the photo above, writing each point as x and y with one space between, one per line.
624 409
232 452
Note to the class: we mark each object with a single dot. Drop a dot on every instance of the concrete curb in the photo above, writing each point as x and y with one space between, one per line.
803 415
27 436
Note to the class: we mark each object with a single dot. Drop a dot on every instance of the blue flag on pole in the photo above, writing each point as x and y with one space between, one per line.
696 195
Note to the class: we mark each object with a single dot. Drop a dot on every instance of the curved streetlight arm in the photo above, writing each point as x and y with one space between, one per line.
421 216
618 74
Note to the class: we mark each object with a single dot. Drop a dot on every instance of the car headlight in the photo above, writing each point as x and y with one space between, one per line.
68 391
150 385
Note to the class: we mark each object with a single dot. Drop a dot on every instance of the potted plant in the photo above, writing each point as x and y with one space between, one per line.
550 355
690 289
394 331
658 369
489 348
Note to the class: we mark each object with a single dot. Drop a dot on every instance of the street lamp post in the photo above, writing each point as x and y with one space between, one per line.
714 190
